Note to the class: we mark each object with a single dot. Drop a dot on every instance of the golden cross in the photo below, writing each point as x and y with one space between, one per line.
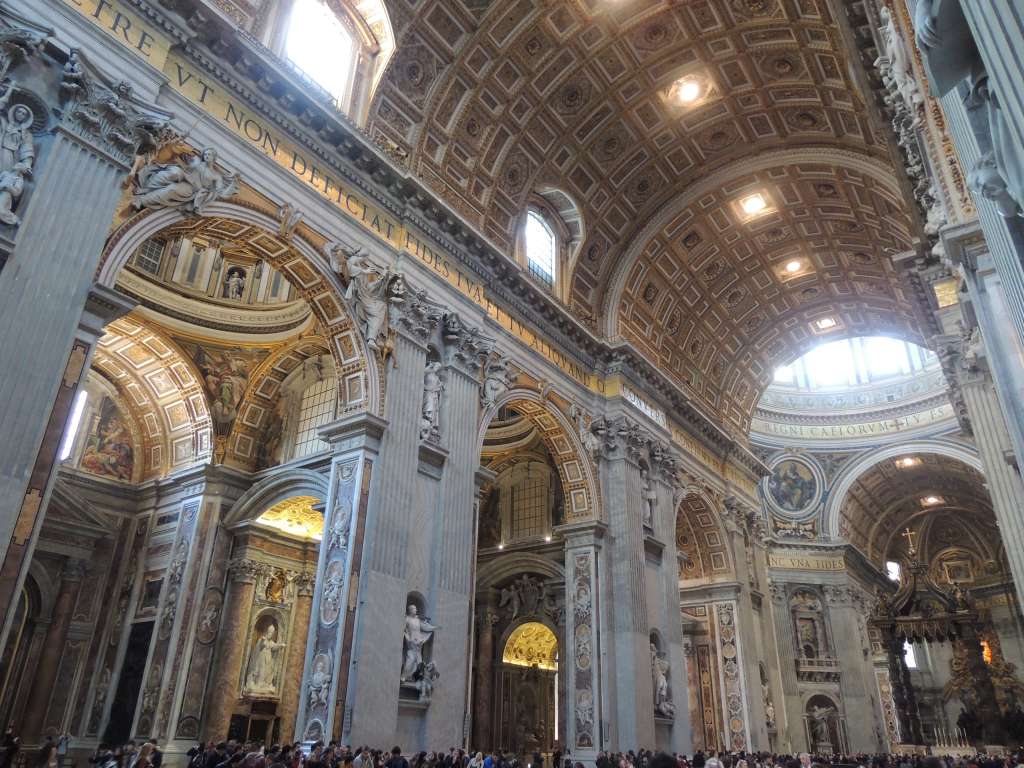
909 536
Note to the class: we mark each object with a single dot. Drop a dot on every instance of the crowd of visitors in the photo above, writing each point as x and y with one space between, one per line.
234 754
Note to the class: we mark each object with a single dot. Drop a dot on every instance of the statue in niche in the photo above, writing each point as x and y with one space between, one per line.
818 718
17 156
659 669
418 632
262 677
234 284
649 497
190 184
433 386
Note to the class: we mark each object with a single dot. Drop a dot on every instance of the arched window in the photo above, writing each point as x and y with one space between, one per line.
319 45
315 410
541 248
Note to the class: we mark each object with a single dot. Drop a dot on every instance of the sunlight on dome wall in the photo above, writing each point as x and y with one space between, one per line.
854 362
320 46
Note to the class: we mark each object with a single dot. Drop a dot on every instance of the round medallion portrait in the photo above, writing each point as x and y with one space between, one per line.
794 487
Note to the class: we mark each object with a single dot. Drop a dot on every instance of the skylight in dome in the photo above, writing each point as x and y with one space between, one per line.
885 357
320 46
831 365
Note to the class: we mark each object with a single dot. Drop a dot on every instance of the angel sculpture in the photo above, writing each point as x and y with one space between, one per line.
190 185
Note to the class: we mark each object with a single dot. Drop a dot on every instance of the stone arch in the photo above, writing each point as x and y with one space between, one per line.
832 514
360 376
701 537
262 393
498 570
161 388
575 467
276 488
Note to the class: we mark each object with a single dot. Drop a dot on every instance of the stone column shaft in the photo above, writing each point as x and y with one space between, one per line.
584 626
65 213
291 687
224 692
53 648
483 695
1003 482
628 673
789 714
329 669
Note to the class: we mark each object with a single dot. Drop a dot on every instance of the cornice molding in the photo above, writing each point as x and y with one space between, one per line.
251 73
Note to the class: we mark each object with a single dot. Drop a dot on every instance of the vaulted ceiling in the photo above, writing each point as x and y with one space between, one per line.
887 498
493 102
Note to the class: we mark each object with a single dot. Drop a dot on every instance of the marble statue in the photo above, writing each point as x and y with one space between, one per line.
898 71
418 632
17 156
426 676
371 291
497 380
262 677
818 718
320 681
234 284
191 184
649 497
659 670
433 387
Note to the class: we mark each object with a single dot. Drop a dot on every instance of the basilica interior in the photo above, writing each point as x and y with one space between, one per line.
538 376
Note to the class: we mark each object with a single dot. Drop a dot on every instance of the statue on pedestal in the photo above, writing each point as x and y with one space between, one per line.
433 386
649 497
17 156
418 633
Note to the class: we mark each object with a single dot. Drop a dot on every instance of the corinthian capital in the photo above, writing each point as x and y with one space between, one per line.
107 114
420 315
464 345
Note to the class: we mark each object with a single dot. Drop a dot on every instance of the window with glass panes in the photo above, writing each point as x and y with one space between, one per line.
150 255
541 248
317 409
529 501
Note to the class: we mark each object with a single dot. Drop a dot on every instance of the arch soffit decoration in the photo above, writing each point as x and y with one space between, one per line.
162 391
831 515
702 538
360 377
263 392
575 467
595 112
274 489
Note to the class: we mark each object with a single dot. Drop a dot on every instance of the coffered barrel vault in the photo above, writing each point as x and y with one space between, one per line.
492 103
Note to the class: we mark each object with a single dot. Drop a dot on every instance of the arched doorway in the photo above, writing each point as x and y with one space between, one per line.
534 479
526 689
